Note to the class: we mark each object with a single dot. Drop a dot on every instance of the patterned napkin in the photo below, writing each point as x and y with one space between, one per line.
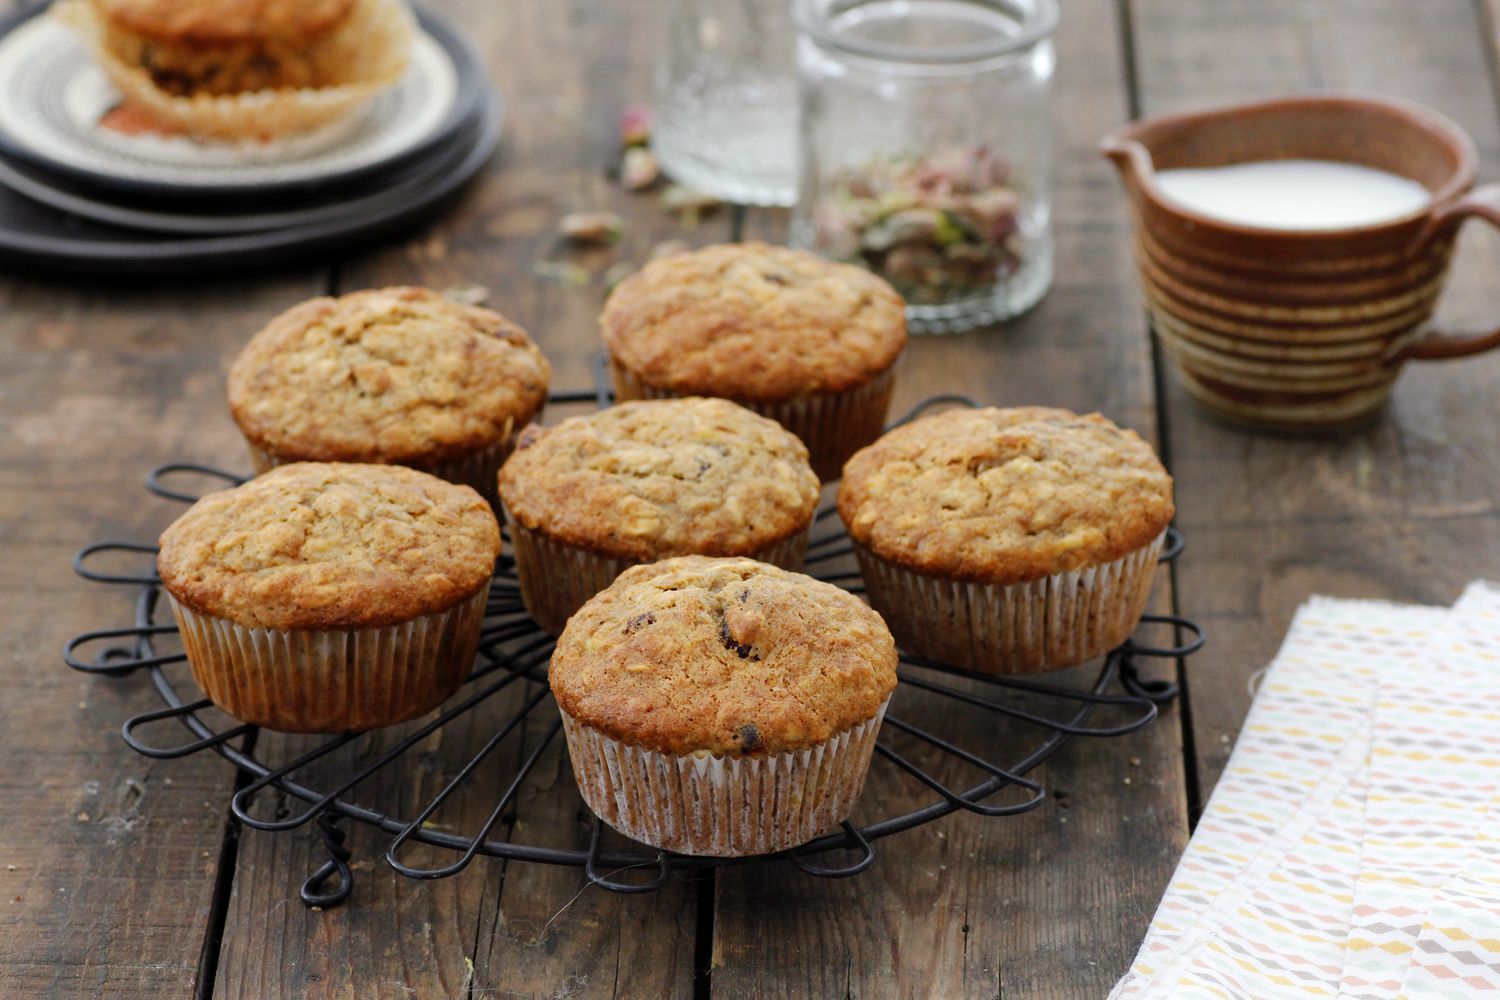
1366 780
1434 769
1457 952
1457 949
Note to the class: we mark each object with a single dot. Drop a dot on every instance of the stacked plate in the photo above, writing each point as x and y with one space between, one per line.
85 199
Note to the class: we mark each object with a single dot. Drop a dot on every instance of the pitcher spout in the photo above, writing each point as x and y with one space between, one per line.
1130 158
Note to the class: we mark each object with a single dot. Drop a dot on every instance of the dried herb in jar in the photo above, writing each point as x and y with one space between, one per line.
937 227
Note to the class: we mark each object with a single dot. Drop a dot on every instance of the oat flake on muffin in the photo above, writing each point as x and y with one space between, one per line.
327 597
392 375
753 322
698 654
807 342
648 480
722 706
1008 541
1006 494
330 545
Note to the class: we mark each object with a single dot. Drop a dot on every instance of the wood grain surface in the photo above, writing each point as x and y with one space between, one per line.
118 875
107 859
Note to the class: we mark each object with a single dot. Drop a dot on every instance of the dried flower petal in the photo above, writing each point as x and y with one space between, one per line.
591 227
937 227
688 204
635 125
469 295
638 170
677 198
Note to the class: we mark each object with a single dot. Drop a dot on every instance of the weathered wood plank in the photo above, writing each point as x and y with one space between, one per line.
975 907
107 859
1407 508
565 71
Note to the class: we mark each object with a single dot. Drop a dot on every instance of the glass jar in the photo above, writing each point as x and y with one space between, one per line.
725 99
926 150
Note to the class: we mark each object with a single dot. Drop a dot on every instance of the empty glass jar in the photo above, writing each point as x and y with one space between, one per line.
926 149
726 99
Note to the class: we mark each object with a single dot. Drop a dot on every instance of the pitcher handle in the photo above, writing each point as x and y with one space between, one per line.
1481 203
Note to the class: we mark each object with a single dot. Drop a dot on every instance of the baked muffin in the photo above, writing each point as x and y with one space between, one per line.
399 376
329 597
192 65
644 481
1008 541
722 706
807 342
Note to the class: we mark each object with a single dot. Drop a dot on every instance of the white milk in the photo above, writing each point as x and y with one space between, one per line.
1294 194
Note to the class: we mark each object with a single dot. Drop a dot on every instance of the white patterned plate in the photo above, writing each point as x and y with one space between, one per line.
52 95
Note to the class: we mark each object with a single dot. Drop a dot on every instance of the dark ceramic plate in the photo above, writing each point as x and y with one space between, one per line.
37 237
195 219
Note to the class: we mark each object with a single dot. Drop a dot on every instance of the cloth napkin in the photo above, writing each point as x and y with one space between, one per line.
1352 845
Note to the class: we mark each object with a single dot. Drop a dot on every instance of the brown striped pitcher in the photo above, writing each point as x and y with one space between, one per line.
1305 328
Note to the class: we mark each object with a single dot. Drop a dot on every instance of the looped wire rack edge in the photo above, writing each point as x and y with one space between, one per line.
515 650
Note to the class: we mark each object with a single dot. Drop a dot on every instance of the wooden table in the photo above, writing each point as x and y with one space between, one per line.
119 877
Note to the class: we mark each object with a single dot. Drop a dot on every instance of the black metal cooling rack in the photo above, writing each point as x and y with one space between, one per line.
513 655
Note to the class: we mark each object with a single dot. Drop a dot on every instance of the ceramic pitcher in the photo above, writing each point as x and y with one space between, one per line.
1305 328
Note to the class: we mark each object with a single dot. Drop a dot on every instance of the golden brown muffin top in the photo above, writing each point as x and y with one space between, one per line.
1004 496
330 546
753 322
225 21
722 656
390 375
646 480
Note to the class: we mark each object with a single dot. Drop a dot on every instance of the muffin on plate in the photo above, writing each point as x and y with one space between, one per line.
1008 541
646 480
245 69
807 342
398 376
722 706
324 598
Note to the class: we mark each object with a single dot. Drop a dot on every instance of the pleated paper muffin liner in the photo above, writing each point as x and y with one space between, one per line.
722 806
833 425
1020 628
479 470
556 578
332 681
373 46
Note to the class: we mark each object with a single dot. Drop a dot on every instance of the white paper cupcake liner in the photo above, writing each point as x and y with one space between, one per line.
374 46
1020 628
332 681
833 425
556 579
722 806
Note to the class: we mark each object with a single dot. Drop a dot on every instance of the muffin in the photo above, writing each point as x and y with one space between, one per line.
1008 541
322 598
398 376
722 706
245 69
809 343
644 481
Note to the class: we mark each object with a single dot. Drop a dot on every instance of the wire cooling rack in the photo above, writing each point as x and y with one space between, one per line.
321 786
